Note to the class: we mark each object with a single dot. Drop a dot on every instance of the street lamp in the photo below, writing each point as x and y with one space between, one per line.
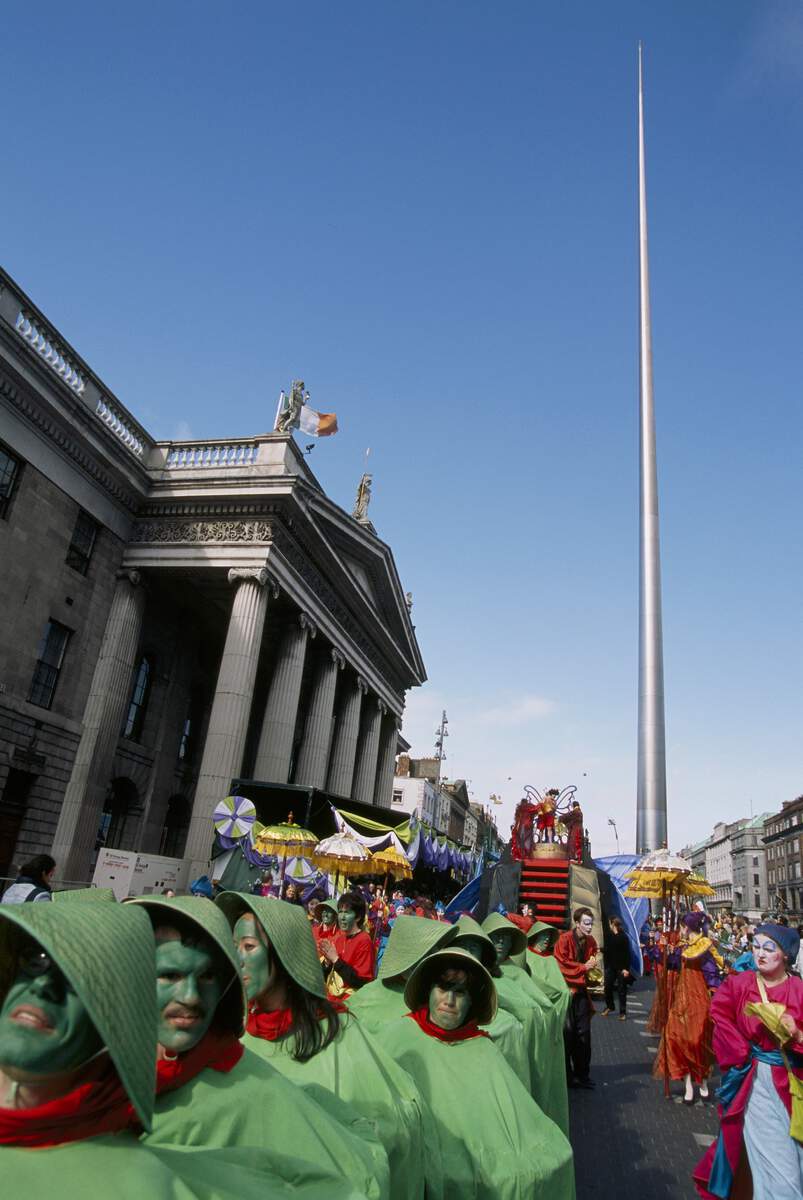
615 832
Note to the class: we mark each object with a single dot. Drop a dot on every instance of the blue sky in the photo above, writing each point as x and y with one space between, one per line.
427 211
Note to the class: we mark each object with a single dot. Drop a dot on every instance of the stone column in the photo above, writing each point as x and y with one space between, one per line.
365 771
228 722
386 768
281 709
314 755
109 694
344 750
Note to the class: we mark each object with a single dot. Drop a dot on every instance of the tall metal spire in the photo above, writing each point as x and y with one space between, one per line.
651 786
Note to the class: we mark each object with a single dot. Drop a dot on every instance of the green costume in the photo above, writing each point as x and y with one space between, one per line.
254 1120
411 938
488 1140
505 1030
105 951
354 1067
542 1022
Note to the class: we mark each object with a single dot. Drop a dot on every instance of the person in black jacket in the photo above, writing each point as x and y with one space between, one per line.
617 967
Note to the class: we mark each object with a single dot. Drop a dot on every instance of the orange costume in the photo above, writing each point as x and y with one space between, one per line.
685 1047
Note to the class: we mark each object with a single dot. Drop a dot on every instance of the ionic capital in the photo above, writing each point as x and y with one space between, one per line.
134 577
362 685
307 623
259 575
383 708
338 659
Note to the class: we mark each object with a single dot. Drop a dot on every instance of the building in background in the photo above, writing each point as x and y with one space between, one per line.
749 868
783 836
176 615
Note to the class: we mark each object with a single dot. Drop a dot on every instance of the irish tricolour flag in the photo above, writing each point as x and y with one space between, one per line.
315 423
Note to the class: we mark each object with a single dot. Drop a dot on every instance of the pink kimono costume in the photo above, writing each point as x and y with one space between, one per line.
751 1067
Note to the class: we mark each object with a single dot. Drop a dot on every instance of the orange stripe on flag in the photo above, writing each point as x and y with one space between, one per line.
327 424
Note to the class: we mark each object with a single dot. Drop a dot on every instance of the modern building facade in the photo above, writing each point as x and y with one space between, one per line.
178 615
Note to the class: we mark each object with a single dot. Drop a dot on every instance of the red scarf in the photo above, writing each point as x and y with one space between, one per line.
270 1025
101 1106
470 1030
219 1051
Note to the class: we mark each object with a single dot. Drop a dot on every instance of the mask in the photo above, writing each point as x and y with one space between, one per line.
255 964
45 1029
502 941
346 920
189 987
449 1006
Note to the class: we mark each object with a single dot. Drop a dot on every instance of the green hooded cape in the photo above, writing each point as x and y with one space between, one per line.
411 939
106 952
488 1139
262 1123
543 1027
354 1067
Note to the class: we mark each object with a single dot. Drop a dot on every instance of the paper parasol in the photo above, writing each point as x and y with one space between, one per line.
285 838
656 885
234 816
344 854
391 862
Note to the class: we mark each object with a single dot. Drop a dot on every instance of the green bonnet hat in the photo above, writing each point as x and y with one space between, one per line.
481 986
288 932
538 928
411 939
495 922
467 927
330 904
79 894
106 953
232 1010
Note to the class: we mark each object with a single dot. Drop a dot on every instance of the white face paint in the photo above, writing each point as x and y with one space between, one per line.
585 925
769 957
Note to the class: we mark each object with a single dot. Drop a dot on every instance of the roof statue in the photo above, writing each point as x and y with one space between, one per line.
289 411
360 511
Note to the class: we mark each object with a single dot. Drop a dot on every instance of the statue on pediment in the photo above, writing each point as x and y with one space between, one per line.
360 511
290 408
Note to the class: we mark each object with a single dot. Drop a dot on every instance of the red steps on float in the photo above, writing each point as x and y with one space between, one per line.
545 886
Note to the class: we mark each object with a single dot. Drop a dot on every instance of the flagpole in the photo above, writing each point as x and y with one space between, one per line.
651 779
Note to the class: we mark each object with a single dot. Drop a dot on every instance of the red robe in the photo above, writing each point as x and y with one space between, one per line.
357 952
733 1033
570 957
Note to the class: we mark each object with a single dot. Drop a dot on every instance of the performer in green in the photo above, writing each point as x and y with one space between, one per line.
77 1069
214 1097
488 1140
411 938
542 1020
313 1041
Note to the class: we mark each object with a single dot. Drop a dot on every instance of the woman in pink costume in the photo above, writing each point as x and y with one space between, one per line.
755 1104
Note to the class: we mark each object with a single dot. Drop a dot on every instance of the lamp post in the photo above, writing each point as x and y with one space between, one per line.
615 832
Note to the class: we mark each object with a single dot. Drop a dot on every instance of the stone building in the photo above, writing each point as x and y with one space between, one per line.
749 858
783 838
177 615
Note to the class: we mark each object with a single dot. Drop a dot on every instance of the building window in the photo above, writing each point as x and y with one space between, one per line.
756 899
756 881
755 860
10 471
49 660
83 543
120 814
175 828
139 702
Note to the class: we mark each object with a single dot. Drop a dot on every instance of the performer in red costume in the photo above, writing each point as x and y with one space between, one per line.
576 955
545 818
573 820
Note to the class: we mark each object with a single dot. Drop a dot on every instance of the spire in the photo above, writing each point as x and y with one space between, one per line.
651 785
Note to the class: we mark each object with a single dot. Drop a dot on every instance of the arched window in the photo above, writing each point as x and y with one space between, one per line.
120 811
175 828
135 718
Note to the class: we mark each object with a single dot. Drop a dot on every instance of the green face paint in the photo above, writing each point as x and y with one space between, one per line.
502 941
257 970
474 946
45 1029
189 987
449 1006
346 920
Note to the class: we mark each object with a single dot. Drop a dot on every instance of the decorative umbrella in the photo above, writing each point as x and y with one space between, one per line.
394 864
342 853
234 816
283 839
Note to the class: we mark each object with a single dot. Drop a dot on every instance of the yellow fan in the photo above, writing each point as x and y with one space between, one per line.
769 1014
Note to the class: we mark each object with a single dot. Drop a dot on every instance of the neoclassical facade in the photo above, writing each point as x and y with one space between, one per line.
181 614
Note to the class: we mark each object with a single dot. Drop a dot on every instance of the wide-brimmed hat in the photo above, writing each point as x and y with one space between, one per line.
232 1010
467 927
481 986
495 922
411 939
288 931
106 952
80 894
540 927
330 904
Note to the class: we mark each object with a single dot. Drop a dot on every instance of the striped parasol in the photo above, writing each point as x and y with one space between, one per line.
234 816
285 838
344 854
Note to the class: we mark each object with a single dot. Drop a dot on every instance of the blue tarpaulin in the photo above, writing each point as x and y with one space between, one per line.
633 912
